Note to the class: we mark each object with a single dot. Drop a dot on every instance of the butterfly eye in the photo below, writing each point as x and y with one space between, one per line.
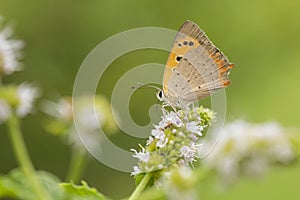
160 95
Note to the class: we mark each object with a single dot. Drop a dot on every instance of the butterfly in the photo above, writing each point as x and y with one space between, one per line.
195 68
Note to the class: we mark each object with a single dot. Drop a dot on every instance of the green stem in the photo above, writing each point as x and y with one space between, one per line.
78 162
23 157
139 189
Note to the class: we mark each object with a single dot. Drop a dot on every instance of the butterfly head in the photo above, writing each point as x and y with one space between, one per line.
160 95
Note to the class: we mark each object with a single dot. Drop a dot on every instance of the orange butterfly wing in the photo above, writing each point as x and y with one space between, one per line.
194 56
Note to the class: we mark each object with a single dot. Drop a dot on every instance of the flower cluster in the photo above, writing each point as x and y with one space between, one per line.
9 51
174 141
14 99
248 149
90 117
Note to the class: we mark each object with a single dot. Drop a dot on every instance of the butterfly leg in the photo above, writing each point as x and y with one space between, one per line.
174 108
168 104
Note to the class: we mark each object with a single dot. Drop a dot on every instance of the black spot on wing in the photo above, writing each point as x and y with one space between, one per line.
178 58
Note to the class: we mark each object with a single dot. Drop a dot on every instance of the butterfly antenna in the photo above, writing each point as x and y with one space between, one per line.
147 85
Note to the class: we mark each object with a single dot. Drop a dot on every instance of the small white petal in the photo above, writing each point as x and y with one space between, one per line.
26 95
181 134
193 127
5 111
156 133
162 142
173 118
143 156
60 110
188 153
136 170
149 141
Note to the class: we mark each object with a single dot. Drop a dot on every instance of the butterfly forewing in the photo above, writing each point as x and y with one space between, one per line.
195 67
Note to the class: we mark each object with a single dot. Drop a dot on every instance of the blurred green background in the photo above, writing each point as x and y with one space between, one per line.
260 37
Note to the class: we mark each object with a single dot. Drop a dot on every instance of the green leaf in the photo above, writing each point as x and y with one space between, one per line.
16 185
78 192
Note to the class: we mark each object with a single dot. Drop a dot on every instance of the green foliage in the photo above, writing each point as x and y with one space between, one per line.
77 192
16 185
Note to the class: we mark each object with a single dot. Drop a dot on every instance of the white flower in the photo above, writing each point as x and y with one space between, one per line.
160 136
193 127
174 141
162 142
173 118
26 95
5 111
142 155
9 52
157 133
81 119
136 170
150 140
188 153
60 110
194 137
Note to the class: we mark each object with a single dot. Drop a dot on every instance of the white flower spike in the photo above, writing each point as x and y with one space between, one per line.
9 52
174 141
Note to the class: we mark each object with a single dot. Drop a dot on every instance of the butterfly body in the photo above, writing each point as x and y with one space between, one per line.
195 67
